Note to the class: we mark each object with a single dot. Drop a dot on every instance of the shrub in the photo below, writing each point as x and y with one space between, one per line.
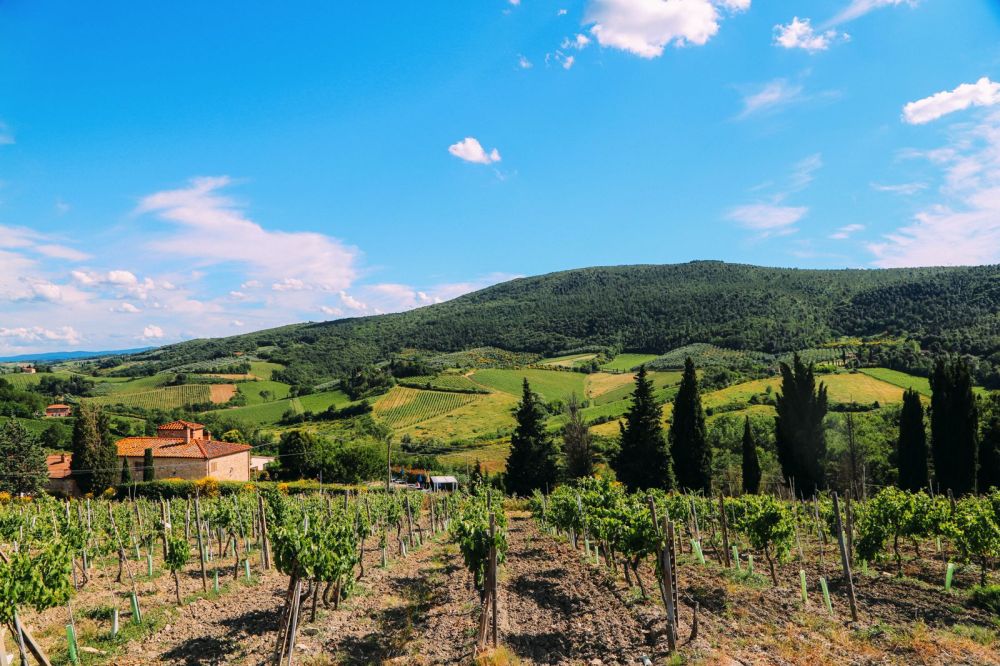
988 597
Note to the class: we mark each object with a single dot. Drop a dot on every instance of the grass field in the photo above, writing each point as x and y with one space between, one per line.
264 414
403 406
485 417
600 383
38 426
492 456
550 384
567 361
113 385
24 379
921 385
443 382
661 382
253 390
264 369
168 397
320 402
626 362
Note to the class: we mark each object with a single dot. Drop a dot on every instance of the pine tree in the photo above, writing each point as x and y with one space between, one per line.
692 456
95 455
989 444
148 466
911 451
751 464
22 461
576 442
126 476
532 463
643 461
954 427
798 427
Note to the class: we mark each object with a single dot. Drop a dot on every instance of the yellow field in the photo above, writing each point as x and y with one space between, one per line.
488 414
600 383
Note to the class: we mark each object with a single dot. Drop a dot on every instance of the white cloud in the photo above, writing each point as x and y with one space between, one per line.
579 42
152 332
523 62
514 2
238 323
981 93
963 227
645 27
562 12
127 308
251 284
65 334
846 231
567 62
799 34
470 150
858 8
333 312
55 251
211 230
900 188
290 284
771 96
770 219
803 171
351 302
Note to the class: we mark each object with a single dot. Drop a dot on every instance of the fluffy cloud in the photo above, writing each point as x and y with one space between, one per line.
799 34
523 62
152 332
126 308
25 335
981 93
845 232
212 230
645 27
963 226
769 219
470 150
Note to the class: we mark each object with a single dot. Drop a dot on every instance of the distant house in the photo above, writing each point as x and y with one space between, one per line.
185 450
259 463
445 483
30 369
61 481
58 411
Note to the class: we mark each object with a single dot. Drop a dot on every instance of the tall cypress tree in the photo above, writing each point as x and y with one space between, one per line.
692 456
643 461
751 464
954 427
798 427
911 452
126 474
148 466
989 444
533 459
22 460
576 442
86 445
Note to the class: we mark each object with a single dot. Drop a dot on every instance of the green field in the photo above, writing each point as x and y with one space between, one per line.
487 416
24 379
320 402
550 384
662 381
403 407
264 369
253 390
38 426
166 398
268 413
115 385
567 361
444 382
921 385
626 362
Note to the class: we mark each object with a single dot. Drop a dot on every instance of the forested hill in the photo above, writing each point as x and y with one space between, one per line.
650 308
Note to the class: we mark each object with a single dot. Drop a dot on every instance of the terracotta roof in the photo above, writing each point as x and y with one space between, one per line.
59 465
180 425
176 447
57 407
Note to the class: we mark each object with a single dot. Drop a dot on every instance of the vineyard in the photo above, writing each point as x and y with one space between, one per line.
168 397
444 382
403 407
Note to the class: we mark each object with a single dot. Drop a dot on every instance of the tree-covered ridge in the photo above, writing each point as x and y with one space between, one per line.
648 308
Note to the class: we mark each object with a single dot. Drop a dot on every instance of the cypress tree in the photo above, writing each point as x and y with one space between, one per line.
148 468
576 442
643 461
692 456
126 475
95 456
22 461
532 463
751 464
954 427
798 427
911 452
989 445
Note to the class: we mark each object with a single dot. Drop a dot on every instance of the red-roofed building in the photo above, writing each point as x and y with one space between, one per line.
61 481
58 411
185 450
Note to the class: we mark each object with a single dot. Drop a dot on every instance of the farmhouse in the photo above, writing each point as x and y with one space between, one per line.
58 411
185 450
61 481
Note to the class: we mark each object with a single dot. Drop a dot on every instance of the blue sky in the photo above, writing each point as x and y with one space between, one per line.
178 170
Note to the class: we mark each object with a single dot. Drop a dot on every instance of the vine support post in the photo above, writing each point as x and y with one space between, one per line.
493 574
845 560
166 526
725 530
265 545
201 547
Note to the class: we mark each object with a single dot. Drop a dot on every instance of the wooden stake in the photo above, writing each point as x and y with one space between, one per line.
845 560
725 530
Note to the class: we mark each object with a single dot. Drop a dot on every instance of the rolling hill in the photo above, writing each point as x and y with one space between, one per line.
645 309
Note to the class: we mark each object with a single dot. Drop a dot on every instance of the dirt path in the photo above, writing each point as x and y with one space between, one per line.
556 609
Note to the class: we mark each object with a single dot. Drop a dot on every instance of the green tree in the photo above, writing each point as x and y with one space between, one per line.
911 451
751 463
643 461
989 444
95 455
126 475
799 436
579 455
692 456
22 461
954 427
301 454
532 462
54 437
148 465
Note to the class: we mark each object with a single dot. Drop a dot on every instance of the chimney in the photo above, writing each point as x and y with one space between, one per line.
187 435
